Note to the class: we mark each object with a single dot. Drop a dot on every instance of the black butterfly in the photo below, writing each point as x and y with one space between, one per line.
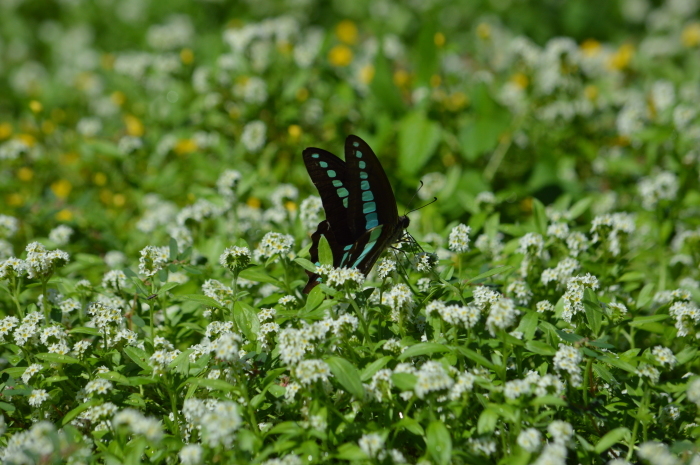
361 215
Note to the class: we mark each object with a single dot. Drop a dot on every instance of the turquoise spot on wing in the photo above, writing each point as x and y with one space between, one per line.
363 175
364 185
363 165
346 255
315 155
317 263
369 207
356 144
337 183
323 164
372 221
368 248
359 154
374 235
345 202
367 196
343 192
348 247
331 173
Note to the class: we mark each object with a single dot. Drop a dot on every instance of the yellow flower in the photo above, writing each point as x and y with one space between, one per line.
68 158
435 80
591 47
27 139
401 77
106 196
457 101
14 200
290 206
100 179
107 61
253 202
5 130
118 98
134 126
294 131
119 200
366 74
185 146
47 127
622 57
439 39
25 174
483 30
690 37
64 215
35 106
61 188
340 55
302 94
591 92
186 56
520 80
346 32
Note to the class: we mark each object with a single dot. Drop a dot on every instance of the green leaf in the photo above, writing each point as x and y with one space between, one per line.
325 254
347 375
68 417
315 298
85 330
258 274
201 299
411 425
438 442
528 325
306 264
611 438
246 318
645 295
383 88
423 348
643 320
476 357
580 207
540 216
540 348
139 357
404 381
350 452
491 272
214 384
57 358
374 367
487 421
594 314
418 139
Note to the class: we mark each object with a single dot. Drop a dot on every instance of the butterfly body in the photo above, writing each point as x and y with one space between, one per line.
361 215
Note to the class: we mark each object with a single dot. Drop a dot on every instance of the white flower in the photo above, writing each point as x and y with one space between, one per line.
254 135
459 238
530 439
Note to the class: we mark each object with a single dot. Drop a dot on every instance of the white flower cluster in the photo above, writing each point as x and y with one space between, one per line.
198 212
338 277
458 240
227 183
153 259
459 315
653 189
612 229
139 424
400 301
531 245
310 371
687 316
573 297
535 384
385 267
216 420
41 263
502 315
218 291
310 211
568 359
562 272
235 258
274 243
28 329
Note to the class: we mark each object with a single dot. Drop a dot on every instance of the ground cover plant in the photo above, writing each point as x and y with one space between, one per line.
155 221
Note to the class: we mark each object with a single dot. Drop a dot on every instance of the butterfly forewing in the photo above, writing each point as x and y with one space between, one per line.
329 175
372 200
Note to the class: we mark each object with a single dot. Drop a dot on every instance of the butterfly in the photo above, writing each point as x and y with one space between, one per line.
361 215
